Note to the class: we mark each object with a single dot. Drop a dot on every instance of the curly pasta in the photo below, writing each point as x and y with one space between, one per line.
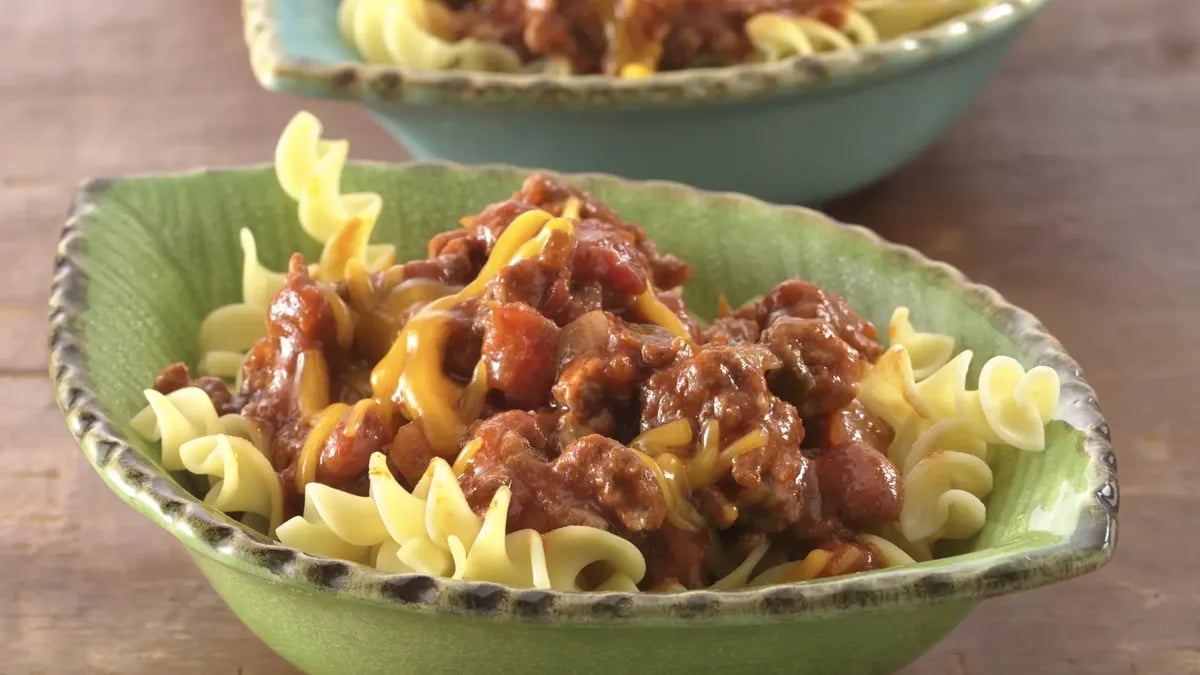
894 18
241 478
227 332
420 34
928 351
223 448
309 170
776 36
942 429
184 415
946 477
433 530
410 33
1010 406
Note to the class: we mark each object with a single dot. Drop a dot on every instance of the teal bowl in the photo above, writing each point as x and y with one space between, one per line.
798 131
142 260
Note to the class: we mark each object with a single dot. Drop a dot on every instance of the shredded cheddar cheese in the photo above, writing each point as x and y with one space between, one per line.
678 476
306 464
571 208
464 456
412 369
810 567
633 71
653 310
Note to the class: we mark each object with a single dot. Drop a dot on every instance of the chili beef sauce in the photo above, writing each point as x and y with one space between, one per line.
770 444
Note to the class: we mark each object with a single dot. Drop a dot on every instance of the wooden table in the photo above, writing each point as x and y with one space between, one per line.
1072 186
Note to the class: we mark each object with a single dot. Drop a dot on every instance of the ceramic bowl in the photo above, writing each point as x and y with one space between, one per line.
798 131
143 259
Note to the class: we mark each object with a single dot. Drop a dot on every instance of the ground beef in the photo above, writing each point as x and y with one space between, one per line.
177 376
802 300
675 558
726 384
409 453
602 360
569 29
820 370
516 343
500 21
595 481
844 490
342 460
732 330
775 487
549 193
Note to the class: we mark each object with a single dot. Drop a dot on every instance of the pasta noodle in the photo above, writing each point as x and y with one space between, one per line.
242 479
1011 405
779 36
928 351
432 530
893 18
223 448
407 33
309 170
946 476
942 429
184 415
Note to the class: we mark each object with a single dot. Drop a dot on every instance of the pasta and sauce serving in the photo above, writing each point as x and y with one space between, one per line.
533 405
625 38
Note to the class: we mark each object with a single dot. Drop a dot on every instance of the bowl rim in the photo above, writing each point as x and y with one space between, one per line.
141 483
278 69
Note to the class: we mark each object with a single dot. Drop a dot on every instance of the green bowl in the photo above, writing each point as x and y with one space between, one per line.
142 260
797 131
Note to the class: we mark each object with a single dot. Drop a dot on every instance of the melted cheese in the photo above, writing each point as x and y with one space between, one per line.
631 60
341 317
475 394
412 371
310 454
464 456
312 383
571 208
677 434
653 310
671 476
678 477
810 567
357 414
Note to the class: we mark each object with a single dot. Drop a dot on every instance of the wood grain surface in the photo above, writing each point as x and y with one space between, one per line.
1072 186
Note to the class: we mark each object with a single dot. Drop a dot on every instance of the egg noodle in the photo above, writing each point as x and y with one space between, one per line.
420 33
919 387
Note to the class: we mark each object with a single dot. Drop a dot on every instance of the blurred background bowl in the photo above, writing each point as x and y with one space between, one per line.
802 130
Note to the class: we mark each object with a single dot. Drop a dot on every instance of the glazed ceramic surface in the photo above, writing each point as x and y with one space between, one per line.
797 131
142 261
